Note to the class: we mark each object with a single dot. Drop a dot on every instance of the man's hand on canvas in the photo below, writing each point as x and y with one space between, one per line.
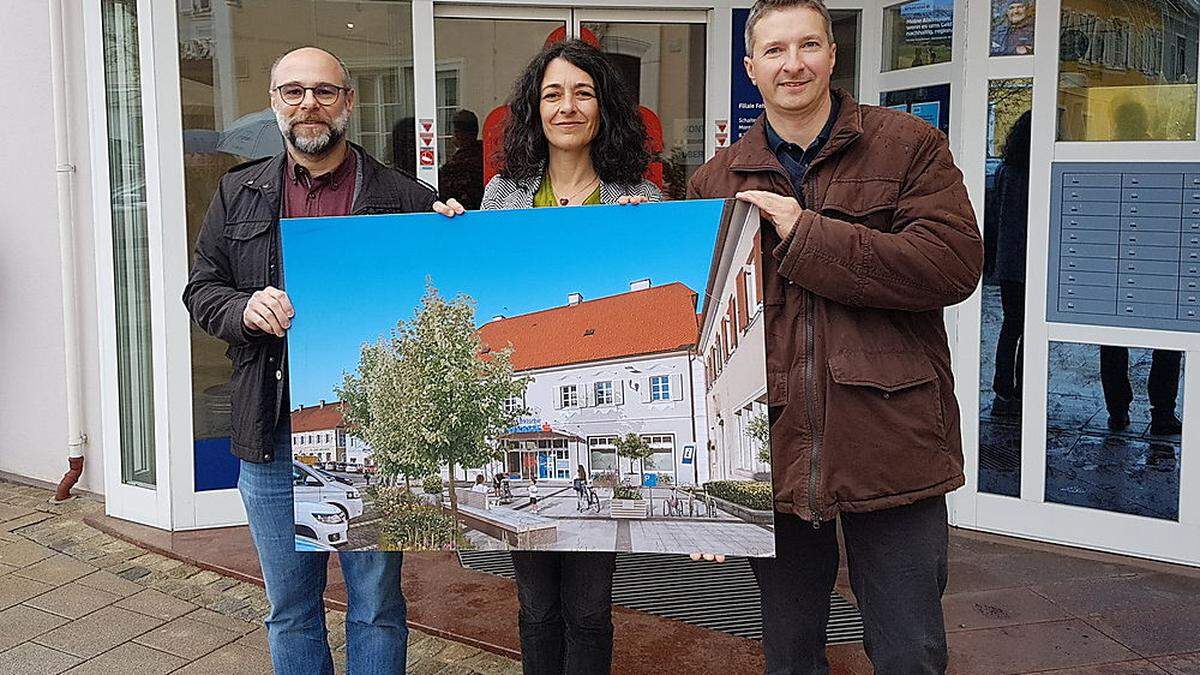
633 200
710 557
780 210
449 208
269 311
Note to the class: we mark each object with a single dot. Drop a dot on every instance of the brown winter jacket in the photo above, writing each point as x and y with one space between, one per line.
856 345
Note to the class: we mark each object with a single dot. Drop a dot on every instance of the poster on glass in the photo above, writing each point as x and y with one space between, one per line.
582 379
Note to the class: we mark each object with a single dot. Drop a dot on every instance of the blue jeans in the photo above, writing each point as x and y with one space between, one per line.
376 632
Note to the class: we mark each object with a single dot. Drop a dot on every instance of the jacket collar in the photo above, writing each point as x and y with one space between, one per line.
268 178
753 152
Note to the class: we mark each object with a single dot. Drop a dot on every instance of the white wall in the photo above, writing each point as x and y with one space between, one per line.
32 372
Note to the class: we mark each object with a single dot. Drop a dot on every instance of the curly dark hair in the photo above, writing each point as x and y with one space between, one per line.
619 152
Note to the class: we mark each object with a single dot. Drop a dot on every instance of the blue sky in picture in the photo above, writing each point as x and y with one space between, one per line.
352 279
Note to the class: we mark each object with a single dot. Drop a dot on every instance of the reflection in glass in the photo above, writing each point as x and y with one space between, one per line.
1127 71
1112 437
1012 27
664 63
130 232
478 61
225 54
1003 321
931 104
917 33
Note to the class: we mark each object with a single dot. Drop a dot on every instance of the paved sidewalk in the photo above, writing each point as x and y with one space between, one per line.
76 600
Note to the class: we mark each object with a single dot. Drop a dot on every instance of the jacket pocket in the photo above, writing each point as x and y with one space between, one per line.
870 203
246 394
884 424
249 245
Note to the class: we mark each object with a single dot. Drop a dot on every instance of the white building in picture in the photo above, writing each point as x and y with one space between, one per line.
601 369
319 432
732 340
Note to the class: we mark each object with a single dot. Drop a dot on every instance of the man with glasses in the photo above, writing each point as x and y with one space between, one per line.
236 294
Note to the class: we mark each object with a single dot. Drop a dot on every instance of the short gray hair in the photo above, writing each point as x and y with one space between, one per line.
345 70
764 7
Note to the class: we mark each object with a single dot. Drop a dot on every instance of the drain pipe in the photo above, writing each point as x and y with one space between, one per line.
64 172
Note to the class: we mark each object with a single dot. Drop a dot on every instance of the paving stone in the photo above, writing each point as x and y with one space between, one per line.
72 601
221 621
8 512
23 554
34 659
1040 646
234 658
1180 664
20 624
129 658
1002 607
110 583
256 639
1138 667
56 570
1153 633
186 638
98 632
23 522
15 590
156 604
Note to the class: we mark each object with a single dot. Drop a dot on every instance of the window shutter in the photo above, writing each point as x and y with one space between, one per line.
645 385
618 392
756 262
743 315
558 396
733 328
677 387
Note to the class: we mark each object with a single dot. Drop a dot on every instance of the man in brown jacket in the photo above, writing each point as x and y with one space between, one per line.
868 234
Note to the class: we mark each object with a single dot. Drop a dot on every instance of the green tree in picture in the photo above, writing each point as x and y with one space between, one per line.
430 395
760 430
634 448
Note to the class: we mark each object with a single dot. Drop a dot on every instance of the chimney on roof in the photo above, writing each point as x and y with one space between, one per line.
574 298
322 403
639 285
498 317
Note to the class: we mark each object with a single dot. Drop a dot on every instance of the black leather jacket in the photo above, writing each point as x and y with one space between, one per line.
238 254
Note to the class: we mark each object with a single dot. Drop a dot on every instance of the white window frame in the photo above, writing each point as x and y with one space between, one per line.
660 388
568 396
604 395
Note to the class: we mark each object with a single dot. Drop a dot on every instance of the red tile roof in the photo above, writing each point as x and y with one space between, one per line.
650 321
317 418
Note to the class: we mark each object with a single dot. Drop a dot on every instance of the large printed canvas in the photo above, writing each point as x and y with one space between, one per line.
576 379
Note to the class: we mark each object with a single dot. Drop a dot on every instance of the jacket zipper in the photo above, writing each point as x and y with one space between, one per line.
814 460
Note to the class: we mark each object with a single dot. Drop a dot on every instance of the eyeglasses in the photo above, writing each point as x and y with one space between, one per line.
326 94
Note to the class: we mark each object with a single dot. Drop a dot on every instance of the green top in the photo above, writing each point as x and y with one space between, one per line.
545 195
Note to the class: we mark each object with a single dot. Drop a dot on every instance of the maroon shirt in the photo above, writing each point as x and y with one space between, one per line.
330 194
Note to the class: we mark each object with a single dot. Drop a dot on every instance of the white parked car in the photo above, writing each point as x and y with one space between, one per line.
322 522
313 485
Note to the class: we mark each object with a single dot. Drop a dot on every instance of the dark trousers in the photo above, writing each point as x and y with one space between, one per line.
566 612
1163 385
1009 347
897 560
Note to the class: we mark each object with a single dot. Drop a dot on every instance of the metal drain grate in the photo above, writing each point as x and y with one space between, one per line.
720 597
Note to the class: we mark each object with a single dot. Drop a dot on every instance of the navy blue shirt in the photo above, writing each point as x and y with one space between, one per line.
796 159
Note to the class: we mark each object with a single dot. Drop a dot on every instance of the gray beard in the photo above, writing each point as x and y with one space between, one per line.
320 144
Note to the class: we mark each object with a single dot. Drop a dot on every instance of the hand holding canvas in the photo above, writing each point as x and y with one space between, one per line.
269 311
782 211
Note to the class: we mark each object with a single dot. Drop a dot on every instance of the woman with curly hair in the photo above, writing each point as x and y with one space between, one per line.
574 137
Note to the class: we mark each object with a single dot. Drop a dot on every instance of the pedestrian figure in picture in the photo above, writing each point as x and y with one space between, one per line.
574 137
1012 215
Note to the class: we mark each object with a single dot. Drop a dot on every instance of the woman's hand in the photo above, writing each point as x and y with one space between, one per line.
632 200
710 557
449 208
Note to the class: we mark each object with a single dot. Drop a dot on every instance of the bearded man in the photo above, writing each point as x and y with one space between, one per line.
235 293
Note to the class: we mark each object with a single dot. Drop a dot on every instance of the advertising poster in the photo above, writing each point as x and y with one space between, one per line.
931 104
532 379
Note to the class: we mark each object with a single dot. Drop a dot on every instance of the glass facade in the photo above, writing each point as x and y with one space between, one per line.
1127 71
1012 27
1005 233
130 237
